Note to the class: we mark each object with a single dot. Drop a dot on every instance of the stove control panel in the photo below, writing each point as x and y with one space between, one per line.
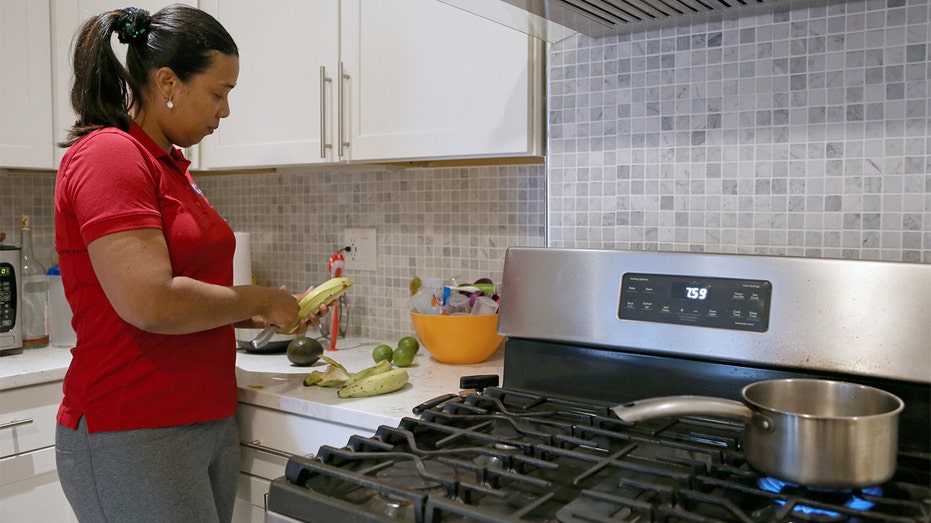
723 303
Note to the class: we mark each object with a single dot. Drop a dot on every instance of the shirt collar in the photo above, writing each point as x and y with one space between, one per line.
175 157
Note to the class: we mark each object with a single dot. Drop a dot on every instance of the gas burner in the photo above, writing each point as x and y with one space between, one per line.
418 475
489 462
848 498
395 507
506 431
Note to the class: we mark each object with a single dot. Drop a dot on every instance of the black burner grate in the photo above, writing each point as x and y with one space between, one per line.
507 456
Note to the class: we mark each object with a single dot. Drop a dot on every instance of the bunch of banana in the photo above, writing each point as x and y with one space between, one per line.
324 293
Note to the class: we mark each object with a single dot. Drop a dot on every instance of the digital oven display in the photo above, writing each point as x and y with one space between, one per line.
690 291
723 303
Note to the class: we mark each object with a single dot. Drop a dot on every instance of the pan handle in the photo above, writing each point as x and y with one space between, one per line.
651 408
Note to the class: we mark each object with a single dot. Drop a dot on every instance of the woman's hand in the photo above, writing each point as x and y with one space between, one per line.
260 322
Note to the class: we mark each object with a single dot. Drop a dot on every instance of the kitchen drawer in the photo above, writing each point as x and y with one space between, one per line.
30 490
245 512
291 433
257 468
252 490
266 464
27 417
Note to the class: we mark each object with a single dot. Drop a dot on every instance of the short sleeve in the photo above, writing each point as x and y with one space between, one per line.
111 184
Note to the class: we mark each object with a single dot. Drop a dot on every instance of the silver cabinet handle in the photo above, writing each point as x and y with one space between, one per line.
15 423
256 445
343 80
323 81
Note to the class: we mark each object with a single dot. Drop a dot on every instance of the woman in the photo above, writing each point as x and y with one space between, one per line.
146 429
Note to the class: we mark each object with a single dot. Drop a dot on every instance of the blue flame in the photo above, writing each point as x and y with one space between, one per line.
854 502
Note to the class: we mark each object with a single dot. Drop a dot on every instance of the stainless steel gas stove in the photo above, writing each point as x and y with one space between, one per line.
589 330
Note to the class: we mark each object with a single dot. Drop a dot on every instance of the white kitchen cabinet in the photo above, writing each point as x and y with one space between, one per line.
368 80
29 485
26 139
67 18
275 109
269 437
429 81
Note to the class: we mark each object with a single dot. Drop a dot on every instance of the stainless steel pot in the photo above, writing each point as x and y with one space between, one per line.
817 433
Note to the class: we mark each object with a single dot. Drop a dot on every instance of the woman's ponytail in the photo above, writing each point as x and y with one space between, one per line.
101 93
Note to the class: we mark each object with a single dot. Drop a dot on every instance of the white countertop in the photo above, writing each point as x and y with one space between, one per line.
270 380
34 366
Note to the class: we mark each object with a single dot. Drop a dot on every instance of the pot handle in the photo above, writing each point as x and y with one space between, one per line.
682 406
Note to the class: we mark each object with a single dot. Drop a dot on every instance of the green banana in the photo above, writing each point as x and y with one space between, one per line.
378 368
376 384
324 293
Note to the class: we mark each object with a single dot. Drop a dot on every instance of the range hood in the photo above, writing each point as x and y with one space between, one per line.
554 20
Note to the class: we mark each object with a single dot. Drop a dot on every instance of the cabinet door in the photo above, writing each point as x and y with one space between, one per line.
67 17
275 109
25 85
427 80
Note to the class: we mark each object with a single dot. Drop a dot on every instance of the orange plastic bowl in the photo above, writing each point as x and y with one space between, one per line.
458 339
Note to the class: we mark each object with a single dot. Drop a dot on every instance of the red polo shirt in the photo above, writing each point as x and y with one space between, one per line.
121 377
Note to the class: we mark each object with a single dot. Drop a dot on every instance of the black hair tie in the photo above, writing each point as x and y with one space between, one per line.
133 25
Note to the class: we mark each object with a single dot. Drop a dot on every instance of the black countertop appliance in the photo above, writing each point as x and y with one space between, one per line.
591 329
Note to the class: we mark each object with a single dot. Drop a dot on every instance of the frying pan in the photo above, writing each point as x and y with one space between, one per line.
817 433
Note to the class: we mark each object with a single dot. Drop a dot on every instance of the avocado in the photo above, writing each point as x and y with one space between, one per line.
303 351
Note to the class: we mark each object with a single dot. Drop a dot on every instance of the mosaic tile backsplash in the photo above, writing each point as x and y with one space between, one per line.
802 132
429 222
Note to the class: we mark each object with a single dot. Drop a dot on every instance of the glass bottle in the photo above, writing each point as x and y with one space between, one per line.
35 293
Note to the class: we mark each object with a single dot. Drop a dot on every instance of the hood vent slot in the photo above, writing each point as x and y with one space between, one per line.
613 13
553 20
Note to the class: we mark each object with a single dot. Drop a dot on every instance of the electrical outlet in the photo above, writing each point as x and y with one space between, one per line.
363 254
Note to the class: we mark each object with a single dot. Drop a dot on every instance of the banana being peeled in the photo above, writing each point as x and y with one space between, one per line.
373 385
322 294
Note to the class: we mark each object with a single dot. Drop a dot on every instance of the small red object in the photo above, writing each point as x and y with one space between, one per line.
335 267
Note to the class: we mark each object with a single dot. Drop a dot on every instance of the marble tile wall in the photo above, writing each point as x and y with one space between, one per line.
430 223
801 132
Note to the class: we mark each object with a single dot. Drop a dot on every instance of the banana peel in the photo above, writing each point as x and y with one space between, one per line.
335 375
378 379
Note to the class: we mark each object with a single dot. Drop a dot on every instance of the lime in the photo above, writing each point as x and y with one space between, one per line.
382 352
409 341
304 351
404 356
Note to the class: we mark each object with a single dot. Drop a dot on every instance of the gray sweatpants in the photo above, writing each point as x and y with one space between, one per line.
175 474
